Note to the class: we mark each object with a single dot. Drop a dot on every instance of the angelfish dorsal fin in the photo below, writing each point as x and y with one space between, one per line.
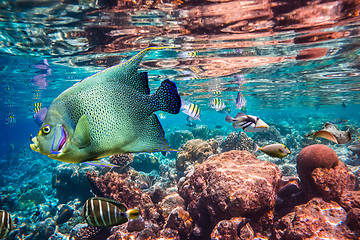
82 132
132 64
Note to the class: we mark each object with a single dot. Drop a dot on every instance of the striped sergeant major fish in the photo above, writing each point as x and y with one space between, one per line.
105 212
217 104
248 123
192 110
37 107
6 224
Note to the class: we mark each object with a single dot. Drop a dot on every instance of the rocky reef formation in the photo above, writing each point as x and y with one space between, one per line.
70 182
195 150
313 220
145 162
232 184
178 138
237 141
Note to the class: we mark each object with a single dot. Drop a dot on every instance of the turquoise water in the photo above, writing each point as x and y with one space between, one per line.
295 73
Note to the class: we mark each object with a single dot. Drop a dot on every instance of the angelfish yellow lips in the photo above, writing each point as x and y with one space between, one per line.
35 145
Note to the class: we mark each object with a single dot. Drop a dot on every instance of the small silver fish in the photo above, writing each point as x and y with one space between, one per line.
6 224
104 212
192 110
248 123
240 101
217 104
274 150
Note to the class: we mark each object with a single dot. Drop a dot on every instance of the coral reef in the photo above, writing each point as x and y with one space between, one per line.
311 157
271 135
237 141
70 182
31 198
195 150
122 160
178 138
145 162
201 132
313 220
231 184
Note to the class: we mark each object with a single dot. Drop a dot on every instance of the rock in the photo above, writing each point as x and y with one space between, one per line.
231 184
201 132
145 162
225 230
170 202
311 157
180 220
316 219
136 225
349 200
353 220
271 135
195 150
178 138
122 160
169 234
237 141
31 198
331 183
70 182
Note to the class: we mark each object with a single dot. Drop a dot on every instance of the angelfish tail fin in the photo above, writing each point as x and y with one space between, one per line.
166 98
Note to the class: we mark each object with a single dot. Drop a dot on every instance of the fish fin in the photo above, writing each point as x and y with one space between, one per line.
133 213
133 63
240 115
229 118
256 147
236 125
82 132
121 206
100 163
166 98
325 134
151 138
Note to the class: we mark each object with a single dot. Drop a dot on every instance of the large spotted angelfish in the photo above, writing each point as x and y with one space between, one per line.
108 113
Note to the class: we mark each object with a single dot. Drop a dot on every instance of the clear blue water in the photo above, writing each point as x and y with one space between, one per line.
297 74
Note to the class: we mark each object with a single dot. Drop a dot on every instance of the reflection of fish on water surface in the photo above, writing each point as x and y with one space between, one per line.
107 113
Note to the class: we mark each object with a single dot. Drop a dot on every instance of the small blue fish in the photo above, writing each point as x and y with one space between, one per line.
240 101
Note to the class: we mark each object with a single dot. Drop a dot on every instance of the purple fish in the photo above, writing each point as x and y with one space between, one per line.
40 116
240 101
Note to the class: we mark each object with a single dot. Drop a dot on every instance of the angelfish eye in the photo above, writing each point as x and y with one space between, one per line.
46 129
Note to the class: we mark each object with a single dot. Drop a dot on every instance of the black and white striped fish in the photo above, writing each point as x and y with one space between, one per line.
248 123
105 212
6 224
192 110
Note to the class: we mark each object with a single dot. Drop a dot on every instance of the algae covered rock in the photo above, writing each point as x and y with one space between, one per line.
195 150
31 198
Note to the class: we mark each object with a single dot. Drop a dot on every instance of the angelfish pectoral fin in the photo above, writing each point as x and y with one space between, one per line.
101 163
82 133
